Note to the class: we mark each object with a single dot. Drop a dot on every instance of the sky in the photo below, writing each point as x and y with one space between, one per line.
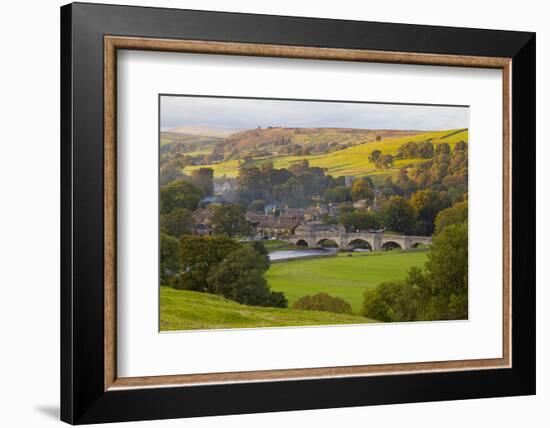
250 113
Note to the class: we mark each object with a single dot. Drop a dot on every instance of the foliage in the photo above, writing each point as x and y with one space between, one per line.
398 215
291 193
384 161
323 302
257 206
353 221
177 222
438 293
374 155
427 204
229 220
179 194
240 277
260 248
204 178
169 261
411 150
197 255
338 194
447 263
456 214
362 189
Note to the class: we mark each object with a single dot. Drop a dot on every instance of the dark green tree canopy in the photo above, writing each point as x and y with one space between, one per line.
177 222
179 194
229 220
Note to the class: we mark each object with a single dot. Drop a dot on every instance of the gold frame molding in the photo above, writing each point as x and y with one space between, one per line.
113 43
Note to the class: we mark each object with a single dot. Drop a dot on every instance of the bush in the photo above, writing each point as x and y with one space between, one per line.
323 302
240 277
169 262
197 256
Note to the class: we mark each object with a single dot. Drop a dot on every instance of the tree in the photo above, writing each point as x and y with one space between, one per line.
398 215
169 261
384 161
177 222
338 194
428 204
197 255
359 221
169 172
448 259
291 193
456 214
229 220
204 178
362 189
323 302
440 292
179 194
374 155
257 206
240 278
259 247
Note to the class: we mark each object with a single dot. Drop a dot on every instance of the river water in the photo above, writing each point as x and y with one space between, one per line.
294 254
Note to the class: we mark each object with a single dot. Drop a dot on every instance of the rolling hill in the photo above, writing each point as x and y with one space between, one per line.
191 310
204 130
352 160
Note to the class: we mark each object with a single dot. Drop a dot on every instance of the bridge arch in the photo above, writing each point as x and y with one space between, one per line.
390 245
327 242
301 243
419 245
359 243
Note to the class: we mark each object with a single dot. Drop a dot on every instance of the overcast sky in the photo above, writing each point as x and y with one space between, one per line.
251 113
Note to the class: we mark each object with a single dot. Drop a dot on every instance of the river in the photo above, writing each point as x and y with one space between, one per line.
294 254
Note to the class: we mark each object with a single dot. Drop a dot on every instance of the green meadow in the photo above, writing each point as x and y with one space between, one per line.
191 310
346 275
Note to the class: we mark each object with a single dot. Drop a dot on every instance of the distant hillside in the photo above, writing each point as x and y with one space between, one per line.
204 131
353 160
307 137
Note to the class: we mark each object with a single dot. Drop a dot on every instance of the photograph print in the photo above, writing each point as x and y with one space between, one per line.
282 212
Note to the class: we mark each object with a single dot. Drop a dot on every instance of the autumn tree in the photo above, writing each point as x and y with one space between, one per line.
398 215
456 214
428 203
362 189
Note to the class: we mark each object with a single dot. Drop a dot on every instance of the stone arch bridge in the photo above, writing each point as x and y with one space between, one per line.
372 241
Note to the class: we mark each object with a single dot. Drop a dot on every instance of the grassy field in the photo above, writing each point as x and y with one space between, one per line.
353 160
342 276
190 310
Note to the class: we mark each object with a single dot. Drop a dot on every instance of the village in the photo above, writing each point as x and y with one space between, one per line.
278 221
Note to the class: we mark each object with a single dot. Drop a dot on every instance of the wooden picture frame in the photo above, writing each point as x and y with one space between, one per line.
91 390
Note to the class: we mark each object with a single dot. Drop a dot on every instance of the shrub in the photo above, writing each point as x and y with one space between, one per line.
323 302
240 277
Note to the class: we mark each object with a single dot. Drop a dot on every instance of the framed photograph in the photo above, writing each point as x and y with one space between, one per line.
266 213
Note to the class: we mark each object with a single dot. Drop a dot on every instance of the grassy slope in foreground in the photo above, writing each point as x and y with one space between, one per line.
191 310
342 276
